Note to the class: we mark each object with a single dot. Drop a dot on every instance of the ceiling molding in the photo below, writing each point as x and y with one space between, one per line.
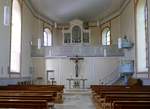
37 14
102 21
115 14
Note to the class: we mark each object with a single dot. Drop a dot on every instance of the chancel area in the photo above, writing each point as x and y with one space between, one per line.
75 54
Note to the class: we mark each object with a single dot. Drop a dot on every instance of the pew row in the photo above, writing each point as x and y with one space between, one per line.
55 90
131 105
19 94
106 97
24 104
16 95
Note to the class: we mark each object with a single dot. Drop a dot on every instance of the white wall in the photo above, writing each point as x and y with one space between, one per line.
39 70
92 68
27 32
4 41
32 28
37 30
127 27
5 36
148 2
115 30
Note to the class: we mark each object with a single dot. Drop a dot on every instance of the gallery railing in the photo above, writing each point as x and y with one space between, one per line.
84 51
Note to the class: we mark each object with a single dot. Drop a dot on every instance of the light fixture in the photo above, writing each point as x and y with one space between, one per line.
30 42
119 42
39 43
62 29
97 23
6 15
105 52
55 25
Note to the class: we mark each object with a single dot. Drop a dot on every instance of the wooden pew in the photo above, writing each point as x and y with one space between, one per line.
51 94
28 96
19 93
104 89
33 87
24 104
100 97
131 105
99 89
110 99
48 98
56 90
103 94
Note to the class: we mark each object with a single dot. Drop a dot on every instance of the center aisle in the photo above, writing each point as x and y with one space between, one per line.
76 100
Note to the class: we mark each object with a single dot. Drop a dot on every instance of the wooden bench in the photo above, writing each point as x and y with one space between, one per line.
104 96
33 87
104 89
115 87
18 94
28 96
56 90
52 94
100 97
48 98
131 105
32 104
109 99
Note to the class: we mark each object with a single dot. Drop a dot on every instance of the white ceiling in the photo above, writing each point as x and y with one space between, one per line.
62 11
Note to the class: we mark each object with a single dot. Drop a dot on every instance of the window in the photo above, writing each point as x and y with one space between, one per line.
141 36
15 37
47 37
106 36
76 34
146 33
67 38
86 37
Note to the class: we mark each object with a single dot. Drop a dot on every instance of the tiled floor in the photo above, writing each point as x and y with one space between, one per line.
76 101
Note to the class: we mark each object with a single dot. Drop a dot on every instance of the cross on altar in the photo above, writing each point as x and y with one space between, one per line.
76 61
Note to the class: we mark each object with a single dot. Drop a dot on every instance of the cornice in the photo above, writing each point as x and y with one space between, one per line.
117 13
102 21
37 14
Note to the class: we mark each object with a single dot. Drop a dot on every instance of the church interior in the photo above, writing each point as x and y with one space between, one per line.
57 54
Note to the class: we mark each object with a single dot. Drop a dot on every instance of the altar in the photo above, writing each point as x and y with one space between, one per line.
76 83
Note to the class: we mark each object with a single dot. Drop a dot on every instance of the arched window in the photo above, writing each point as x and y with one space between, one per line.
15 37
76 34
141 36
106 36
47 37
